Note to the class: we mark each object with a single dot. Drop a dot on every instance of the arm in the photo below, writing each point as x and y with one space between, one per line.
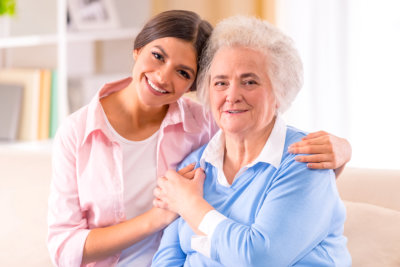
169 252
67 227
307 198
70 241
108 241
329 151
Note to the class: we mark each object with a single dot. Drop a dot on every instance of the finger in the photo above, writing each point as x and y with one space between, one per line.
199 175
161 181
160 204
311 149
187 168
322 140
190 175
314 135
320 165
157 192
317 158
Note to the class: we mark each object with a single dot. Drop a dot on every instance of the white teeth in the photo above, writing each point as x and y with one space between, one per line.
156 88
235 111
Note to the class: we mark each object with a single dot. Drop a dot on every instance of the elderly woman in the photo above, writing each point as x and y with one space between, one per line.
260 206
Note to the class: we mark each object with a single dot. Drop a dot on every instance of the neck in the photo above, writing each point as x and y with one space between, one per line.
140 115
130 117
241 150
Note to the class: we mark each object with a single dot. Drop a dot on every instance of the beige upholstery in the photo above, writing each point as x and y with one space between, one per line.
24 189
372 199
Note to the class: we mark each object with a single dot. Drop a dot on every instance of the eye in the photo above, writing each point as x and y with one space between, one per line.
184 74
219 83
157 56
249 82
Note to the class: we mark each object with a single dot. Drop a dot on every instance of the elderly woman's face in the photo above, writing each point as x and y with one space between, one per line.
241 96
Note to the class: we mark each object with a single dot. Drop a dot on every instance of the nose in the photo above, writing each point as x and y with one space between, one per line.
164 74
234 93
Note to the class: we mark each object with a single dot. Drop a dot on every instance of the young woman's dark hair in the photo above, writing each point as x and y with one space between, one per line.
182 24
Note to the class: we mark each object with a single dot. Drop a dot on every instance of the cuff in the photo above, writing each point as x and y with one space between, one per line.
202 244
210 222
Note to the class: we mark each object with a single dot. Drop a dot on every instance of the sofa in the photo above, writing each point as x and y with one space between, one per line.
372 198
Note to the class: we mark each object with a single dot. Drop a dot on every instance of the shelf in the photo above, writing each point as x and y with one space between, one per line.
102 35
25 41
34 147
82 36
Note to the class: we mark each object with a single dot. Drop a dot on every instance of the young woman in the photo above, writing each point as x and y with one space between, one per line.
108 154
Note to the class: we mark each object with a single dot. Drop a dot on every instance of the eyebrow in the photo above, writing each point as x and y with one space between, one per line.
242 76
180 65
249 75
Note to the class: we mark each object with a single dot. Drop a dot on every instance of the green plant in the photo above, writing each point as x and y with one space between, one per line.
7 7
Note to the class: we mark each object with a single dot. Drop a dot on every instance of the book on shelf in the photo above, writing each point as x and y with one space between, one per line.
44 104
10 109
30 80
53 104
37 86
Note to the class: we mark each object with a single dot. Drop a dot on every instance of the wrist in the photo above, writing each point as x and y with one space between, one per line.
194 211
158 219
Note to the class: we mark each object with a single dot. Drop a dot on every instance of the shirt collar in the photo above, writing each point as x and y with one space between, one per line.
95 119
271 153
179 112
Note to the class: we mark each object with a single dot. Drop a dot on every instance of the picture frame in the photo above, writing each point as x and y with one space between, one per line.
92 14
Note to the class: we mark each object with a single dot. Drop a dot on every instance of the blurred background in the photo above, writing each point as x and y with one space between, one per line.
350 51
55 55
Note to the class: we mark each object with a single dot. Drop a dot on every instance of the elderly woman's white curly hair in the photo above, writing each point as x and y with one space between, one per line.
284 68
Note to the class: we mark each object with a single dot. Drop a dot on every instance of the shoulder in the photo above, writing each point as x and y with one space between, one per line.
72 128
290 166
200 115
293 135
194 156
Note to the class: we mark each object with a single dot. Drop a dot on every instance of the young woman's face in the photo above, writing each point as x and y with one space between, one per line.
164 70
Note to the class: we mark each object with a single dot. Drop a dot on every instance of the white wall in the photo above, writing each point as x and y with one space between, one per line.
350 50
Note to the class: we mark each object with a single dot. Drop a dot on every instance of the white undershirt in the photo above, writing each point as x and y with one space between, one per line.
139 164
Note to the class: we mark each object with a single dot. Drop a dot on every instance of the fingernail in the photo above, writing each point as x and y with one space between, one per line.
297 158
193 163
290 149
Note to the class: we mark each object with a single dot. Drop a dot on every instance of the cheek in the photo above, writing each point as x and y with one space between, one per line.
182 86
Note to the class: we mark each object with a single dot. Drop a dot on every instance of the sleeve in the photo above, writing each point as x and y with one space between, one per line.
293 219
202 243
169 252
67 226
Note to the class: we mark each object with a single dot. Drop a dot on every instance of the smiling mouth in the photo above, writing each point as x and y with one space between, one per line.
235 111
157 89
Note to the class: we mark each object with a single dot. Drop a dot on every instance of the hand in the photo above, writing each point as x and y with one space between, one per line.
163 216
176 193
188 171
329 151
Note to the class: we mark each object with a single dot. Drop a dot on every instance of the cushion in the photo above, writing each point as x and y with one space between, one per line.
373 234
377 187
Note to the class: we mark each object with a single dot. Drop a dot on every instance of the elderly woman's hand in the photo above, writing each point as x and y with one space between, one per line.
175 191
328 151
184 196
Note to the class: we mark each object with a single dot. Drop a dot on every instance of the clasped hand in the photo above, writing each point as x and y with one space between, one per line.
177 191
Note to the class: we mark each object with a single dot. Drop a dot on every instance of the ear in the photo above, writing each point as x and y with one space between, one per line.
136 53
